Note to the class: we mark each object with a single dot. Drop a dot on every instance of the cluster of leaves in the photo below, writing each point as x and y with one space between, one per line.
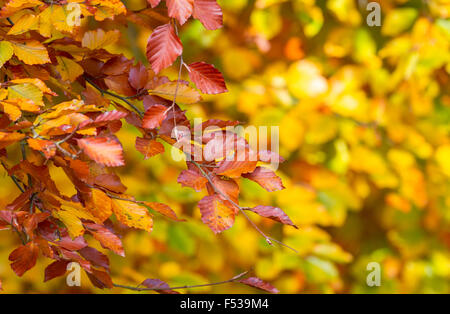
63 100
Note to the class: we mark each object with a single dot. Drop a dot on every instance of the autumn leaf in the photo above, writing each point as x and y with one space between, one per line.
104 150
184 93
209 13
274 213
158 285
106 238
68 69
132 215
258 283
98 39
101 205
31 52
154 116
216 214
148 147
163 209
266 178
207 78
48 148
192 179
153 3
55 269
180 9
24 258
163 47
6 52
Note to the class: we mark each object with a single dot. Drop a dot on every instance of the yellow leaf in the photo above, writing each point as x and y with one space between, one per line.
26 23
68 69
31 52
36 82
101 205
25 91
132 215
6 52
99 39
70 214
185 94
11 111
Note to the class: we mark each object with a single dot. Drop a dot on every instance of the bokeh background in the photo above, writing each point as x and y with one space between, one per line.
364 118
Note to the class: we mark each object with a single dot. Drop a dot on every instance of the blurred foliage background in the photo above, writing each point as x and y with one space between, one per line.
364 118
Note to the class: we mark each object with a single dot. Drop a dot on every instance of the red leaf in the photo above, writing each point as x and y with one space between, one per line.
258 283
24 258
100 279
138 76
71 245
159 286
274 213
180 9
153 3
149 147
163 47
216 214
266 178
207 78
95 257
55 269
192 179
106 238
110 181
154 116
209 13
103 150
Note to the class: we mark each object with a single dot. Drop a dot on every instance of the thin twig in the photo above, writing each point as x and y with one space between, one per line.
114 95
138 288
268 239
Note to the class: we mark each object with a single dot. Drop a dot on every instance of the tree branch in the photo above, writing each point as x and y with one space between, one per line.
138 288
268 239
114 95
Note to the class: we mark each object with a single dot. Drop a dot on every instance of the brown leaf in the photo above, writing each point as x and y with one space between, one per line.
154 116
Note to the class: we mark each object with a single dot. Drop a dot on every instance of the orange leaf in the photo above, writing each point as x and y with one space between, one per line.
216 214
24 258
104 150
149 147
154 116
207 78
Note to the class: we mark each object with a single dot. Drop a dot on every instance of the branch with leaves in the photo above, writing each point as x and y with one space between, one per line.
56 127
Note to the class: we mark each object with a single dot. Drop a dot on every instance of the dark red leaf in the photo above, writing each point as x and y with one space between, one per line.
192 179
55 269
159 286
